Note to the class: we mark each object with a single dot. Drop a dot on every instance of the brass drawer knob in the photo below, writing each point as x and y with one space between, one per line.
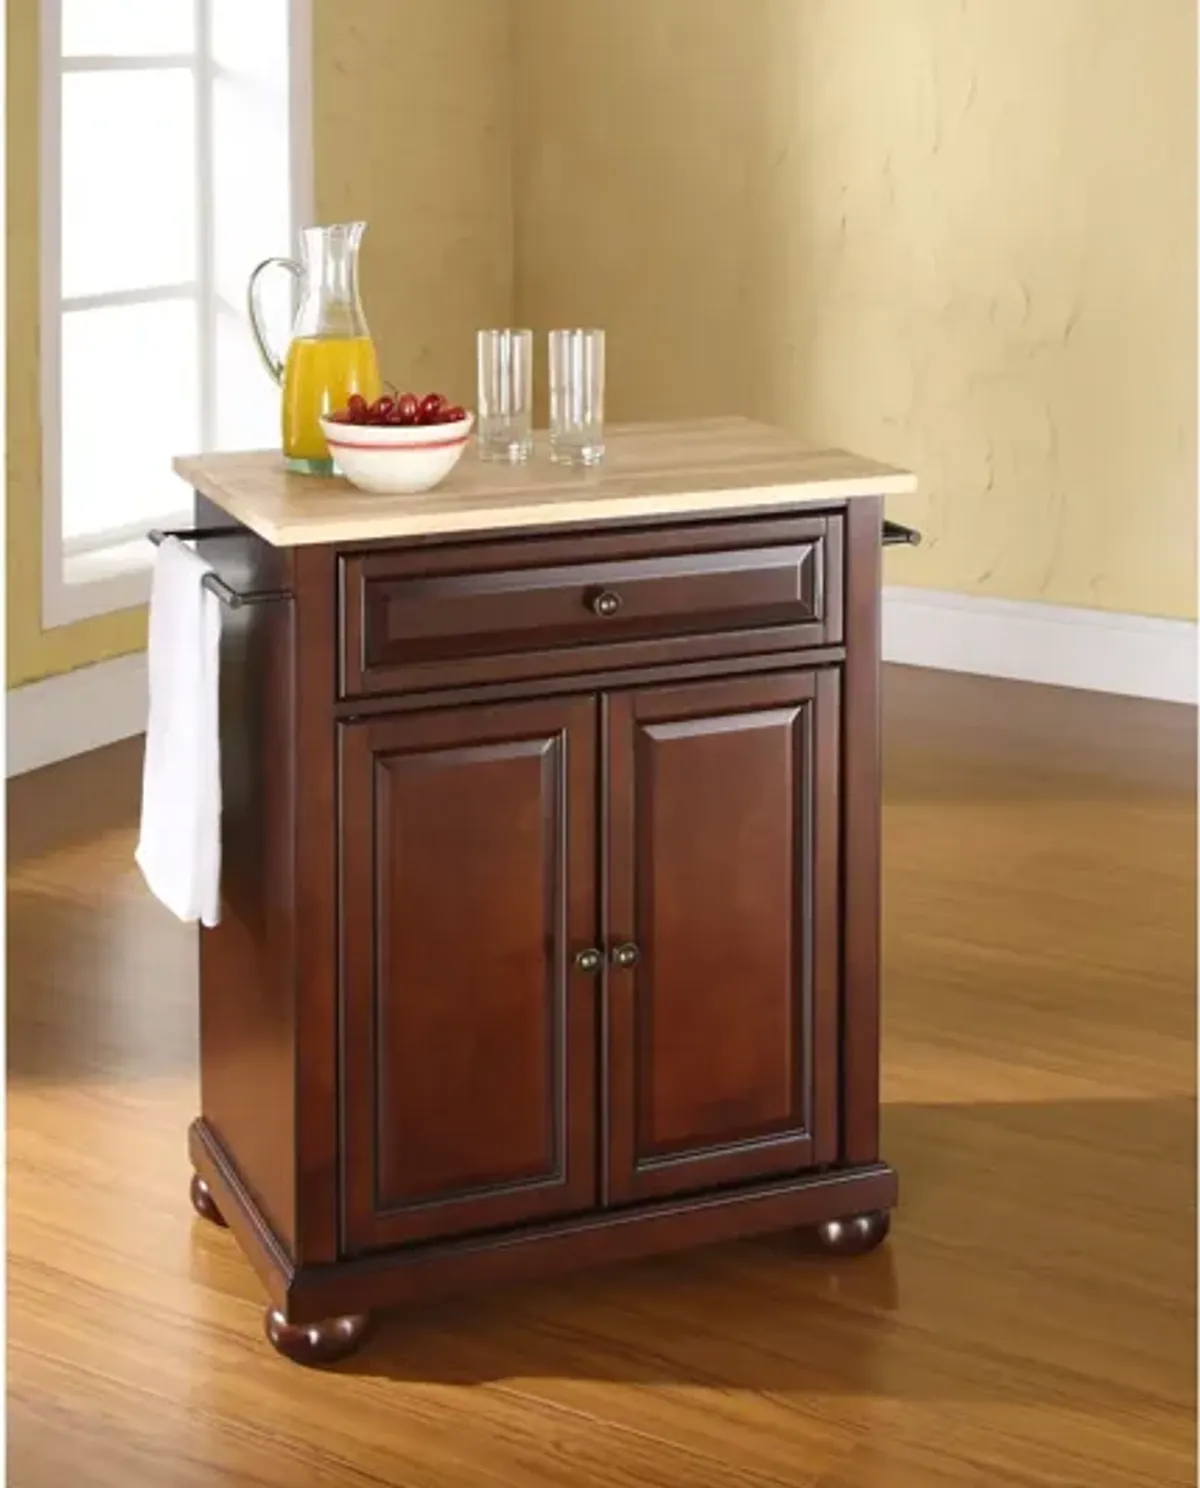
607 604
626 955
589 961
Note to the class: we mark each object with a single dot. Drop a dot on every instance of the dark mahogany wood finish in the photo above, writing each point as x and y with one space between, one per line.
324 1342
452 617
317 931
550 905
468 889
856 1234
861 744
723 825
203 1202
247 962
312 1294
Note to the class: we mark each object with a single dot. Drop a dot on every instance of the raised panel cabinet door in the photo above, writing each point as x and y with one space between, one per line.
722 923
469 1032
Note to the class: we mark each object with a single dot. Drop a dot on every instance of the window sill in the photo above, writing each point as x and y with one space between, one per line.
101 582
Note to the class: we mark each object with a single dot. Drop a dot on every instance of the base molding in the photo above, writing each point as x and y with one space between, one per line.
59 717
310 1294
1097 650
235 1204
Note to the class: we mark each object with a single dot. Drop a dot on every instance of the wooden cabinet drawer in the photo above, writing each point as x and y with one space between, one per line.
458 616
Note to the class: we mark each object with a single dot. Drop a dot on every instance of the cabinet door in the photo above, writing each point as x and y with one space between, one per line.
469 1037
722 859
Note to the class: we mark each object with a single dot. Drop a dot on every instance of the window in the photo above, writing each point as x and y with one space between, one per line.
175 157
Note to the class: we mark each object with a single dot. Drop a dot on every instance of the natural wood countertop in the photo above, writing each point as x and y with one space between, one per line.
683 469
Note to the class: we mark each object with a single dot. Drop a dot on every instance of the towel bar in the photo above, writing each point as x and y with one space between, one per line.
895 533
231 598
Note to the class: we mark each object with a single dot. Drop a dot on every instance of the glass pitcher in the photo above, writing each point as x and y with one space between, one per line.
331 354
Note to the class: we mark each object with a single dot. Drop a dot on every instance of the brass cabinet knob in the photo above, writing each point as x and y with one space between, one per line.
626 955
607 604
589 961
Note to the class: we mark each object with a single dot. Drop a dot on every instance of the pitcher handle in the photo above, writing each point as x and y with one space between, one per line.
253 304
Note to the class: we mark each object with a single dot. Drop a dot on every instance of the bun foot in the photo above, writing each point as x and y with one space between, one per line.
315 1343
203 1202
856 1234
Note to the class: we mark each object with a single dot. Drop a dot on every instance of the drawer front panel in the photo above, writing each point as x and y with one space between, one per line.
446 617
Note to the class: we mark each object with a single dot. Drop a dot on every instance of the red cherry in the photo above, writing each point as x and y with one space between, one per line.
408 407
357 408
431 407
453 415
380 409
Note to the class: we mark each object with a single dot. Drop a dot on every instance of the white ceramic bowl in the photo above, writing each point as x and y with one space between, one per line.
397 460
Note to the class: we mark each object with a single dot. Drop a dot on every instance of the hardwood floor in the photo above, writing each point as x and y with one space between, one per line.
1030 1322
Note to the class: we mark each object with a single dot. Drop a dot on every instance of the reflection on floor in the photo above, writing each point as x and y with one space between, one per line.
1031 1320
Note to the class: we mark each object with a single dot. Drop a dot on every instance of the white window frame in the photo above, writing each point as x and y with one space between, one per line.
96 576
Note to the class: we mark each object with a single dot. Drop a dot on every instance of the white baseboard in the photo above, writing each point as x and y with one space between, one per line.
62 716
1100 651
1093 649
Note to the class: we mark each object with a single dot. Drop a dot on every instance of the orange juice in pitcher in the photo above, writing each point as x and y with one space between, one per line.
320 374
331 354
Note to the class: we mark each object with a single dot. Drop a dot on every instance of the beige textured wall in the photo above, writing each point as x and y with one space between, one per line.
412 131
412 115
959 234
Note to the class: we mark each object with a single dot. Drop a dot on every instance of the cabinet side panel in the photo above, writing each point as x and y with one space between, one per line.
317 1032
861 777
246 962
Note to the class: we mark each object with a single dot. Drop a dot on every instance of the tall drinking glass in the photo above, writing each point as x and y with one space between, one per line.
505 395
577 397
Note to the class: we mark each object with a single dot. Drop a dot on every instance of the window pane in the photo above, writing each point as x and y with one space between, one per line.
128 182
251 38
252 209
252 199
127 28
248 406
129 403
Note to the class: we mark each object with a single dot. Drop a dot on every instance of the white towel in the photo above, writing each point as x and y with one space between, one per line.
179 847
